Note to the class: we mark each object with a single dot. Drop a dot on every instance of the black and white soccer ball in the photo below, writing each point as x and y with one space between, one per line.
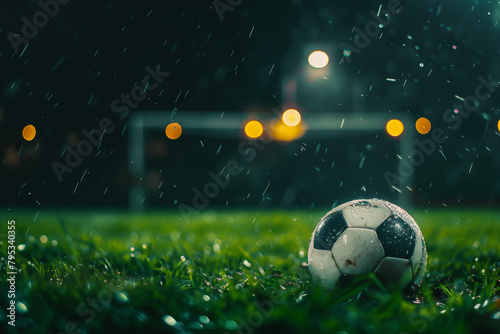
367 235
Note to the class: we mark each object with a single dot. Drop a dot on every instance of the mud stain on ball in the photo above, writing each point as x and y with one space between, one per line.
348 262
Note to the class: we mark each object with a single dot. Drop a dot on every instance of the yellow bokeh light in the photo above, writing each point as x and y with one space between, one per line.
498 126
283 132
291 117
173 131
318 59
254 129
43 239
29 132
423 125
394 127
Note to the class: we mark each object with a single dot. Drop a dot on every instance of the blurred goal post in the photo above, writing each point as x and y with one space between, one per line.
227 125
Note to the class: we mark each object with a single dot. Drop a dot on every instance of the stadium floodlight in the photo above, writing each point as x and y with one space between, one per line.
325 125
318 59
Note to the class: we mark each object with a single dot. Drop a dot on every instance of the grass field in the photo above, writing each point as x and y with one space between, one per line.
236 272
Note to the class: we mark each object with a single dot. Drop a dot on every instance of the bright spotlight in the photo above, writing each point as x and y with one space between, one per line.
318 59
291 117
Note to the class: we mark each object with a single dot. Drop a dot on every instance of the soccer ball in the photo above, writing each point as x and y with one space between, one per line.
367 235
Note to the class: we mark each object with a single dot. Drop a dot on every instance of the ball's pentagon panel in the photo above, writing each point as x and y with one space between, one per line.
419 257
399 212
401 246
328 230
357 251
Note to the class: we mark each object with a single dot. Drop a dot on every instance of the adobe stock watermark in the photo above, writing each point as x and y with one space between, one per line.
11 272
87 311
225 6
372 29
418 322
454 118
40 19
256 318
121 106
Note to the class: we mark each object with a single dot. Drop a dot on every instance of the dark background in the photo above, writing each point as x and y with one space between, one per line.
93 51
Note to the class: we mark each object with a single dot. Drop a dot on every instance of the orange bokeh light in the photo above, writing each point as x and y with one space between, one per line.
29 132
423 125
173 131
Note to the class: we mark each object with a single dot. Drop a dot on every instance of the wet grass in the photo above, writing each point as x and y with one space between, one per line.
236 272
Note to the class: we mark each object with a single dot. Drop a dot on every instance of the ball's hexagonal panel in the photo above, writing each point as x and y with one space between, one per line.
328 230
393 271
365 213
397 237
324 270
357 251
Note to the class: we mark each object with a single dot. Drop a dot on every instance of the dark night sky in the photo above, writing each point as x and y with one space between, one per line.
91 52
